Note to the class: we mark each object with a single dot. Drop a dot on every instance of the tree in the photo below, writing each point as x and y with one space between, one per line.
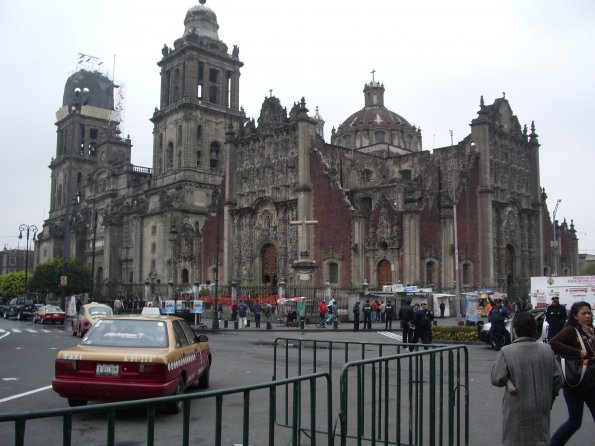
12 284
588 269
46 277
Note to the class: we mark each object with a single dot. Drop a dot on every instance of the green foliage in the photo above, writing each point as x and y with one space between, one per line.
12 284
455 333
588 269
46 277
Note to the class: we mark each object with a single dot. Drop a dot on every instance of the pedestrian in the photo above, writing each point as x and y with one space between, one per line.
388 315
422 319
382 310
118 305
378 310
576 339
243 313
442 308
497 317
405 316
268 314
374 313
322 310
367 310
257 310
356 317
234 311
520 368
556 316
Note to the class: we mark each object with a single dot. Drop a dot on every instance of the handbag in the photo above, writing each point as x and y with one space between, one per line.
575 371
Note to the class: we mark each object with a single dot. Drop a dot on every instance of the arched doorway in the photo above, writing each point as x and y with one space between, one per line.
509 265
185 276
269 264
383 273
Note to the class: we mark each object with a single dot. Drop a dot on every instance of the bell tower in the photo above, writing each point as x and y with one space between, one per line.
200 85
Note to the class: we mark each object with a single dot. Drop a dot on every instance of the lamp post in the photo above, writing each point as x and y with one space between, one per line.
31 230
554 241
78 101
97 212
214 212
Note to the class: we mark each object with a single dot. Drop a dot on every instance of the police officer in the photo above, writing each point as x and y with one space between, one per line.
555 315
497 317
405 316
356 317
367 309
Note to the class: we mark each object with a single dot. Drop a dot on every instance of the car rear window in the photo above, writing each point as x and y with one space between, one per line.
100 311
127 333
52 308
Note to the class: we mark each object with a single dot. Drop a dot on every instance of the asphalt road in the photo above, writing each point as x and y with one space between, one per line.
240 358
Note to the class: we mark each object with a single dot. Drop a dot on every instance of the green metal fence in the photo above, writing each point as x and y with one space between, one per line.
237 404
387 394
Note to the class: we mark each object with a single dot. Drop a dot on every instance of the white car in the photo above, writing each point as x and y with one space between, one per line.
542 327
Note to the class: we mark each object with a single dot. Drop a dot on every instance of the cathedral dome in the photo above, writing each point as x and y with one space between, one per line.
376 128
101 89
202 21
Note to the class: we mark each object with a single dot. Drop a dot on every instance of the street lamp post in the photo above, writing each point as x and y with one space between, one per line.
554 241
30 230
77 103
214 212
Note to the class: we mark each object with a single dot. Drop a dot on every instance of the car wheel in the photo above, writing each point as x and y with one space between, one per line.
76 403
203 381
176 406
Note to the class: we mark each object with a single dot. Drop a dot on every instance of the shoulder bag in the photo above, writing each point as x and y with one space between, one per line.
575 371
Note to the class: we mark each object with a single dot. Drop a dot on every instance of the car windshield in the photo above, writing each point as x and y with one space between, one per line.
100 311
53 308
127 333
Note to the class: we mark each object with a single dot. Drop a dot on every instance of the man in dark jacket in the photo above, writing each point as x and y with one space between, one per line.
388 316
367 309
555 315
356 317
422 319
405 316
497 317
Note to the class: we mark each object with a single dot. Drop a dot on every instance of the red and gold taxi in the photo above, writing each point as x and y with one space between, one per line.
88 315
132 357
49 313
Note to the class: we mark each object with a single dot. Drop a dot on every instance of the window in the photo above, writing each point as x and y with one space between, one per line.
379 137
153 265
180 335
214 75
214 155
333 272
93 133
12 261
179 138
213 95
153 230
406 175
467 273
153 248
198 157
429 272
348 141
170 155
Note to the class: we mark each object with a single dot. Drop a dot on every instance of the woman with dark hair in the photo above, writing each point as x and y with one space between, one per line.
522 367
576 339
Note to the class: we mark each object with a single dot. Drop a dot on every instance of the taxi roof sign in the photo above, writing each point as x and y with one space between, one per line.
150 311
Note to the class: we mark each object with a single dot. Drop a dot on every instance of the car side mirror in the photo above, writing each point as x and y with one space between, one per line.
201 338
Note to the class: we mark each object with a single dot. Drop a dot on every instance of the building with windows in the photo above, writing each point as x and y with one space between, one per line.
13 260
370 206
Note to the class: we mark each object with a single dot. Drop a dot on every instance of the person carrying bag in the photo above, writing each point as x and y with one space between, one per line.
575 343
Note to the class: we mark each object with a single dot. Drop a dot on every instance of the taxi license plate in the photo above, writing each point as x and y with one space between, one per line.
107 369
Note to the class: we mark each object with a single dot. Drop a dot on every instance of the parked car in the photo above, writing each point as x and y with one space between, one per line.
542 327
133 357
49 313
21 307
88 315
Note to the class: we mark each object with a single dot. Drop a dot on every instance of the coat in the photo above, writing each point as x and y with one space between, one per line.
534 371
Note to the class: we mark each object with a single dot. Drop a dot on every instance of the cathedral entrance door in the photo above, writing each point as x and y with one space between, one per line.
269 264
384 276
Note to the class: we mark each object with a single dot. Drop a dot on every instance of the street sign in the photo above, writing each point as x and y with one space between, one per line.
63 280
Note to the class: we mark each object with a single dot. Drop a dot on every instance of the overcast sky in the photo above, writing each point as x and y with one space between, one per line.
435 58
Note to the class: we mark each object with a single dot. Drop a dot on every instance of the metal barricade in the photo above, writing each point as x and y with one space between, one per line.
387 394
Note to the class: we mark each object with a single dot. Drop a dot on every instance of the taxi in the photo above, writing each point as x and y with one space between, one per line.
132 357
88 315
49 313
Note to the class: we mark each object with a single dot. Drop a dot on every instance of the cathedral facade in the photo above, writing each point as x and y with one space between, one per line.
281 204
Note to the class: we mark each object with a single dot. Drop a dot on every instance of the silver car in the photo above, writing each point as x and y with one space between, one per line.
542 328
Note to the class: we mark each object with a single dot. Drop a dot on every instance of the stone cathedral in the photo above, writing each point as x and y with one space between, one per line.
281 203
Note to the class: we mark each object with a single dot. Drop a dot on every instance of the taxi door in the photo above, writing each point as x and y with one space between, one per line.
191 353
